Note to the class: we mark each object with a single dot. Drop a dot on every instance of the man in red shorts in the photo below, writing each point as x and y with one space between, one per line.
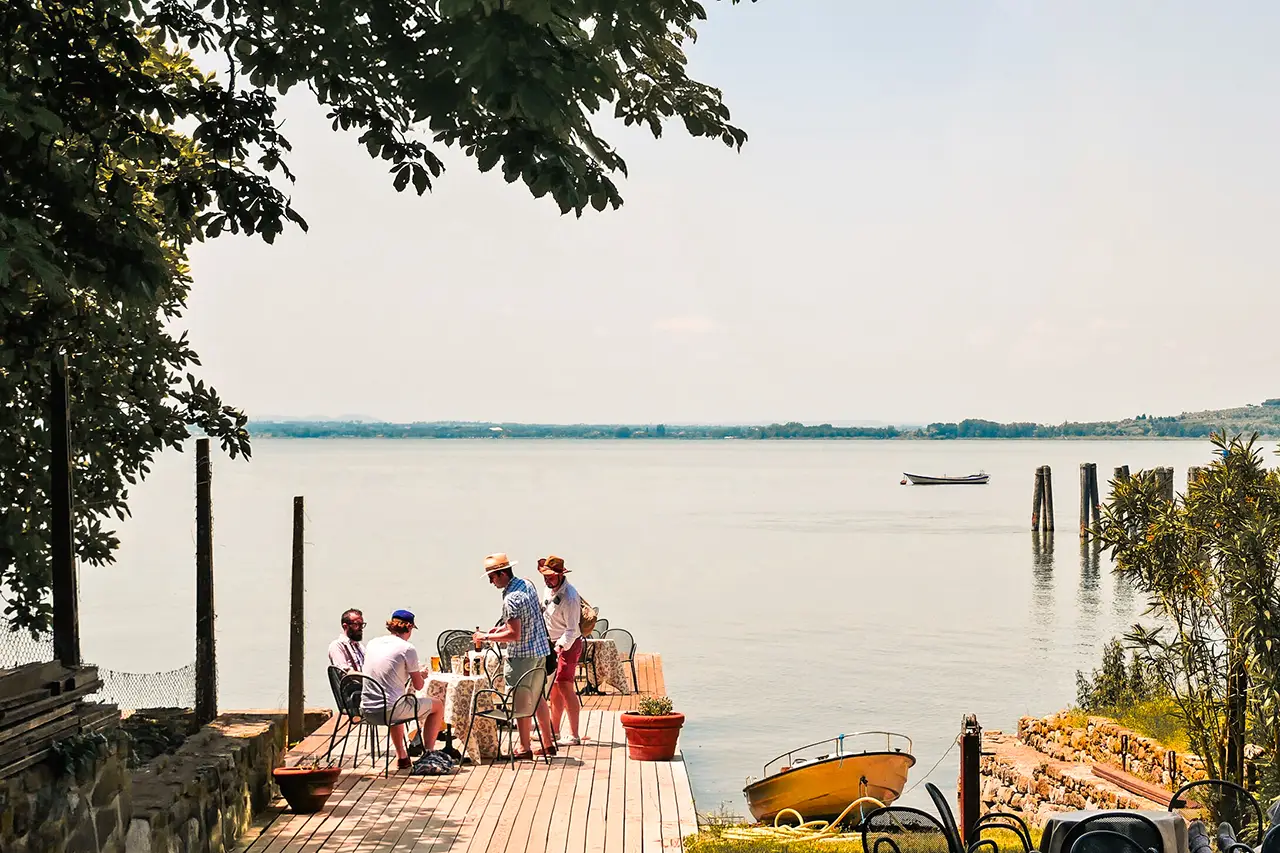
563 610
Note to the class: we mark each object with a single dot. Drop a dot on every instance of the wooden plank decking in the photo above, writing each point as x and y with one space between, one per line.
590 798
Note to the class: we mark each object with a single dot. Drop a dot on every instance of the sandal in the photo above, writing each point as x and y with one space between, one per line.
522 756
550 750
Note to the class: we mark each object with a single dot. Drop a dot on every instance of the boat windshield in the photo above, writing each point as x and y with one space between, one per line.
856 743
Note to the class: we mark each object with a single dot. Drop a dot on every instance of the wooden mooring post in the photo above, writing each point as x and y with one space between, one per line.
66 593
970 787
1042 501
296 628
1194 473
1090 503
206 652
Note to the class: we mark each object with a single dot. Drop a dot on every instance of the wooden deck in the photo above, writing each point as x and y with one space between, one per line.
590 798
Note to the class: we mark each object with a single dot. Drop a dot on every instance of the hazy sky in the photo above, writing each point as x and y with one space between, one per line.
1014 210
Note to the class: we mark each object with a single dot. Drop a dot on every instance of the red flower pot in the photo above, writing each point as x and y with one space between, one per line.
306 788
652 738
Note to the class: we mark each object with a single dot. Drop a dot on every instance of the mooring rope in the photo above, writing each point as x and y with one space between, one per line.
935 766
813 830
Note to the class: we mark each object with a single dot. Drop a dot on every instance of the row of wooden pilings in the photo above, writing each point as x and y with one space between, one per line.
1042 519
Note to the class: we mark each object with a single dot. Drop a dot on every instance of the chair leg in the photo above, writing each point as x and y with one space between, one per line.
346 737
333 735
635 680
543 743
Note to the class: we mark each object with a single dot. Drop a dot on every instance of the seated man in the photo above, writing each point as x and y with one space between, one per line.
392 661
346 652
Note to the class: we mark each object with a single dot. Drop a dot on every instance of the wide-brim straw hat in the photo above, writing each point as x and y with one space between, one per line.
496 563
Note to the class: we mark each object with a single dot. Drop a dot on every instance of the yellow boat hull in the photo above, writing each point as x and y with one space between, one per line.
821 790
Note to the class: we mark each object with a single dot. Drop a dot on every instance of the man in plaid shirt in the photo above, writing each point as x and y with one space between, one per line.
524 631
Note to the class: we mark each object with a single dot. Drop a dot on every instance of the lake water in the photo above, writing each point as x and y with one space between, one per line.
794 589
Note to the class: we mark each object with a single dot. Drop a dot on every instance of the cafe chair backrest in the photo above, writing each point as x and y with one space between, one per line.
1138 827
1104 841
526 692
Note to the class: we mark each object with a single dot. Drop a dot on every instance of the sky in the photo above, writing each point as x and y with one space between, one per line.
1007 210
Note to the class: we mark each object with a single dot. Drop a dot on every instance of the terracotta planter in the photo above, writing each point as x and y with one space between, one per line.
306 788
652 738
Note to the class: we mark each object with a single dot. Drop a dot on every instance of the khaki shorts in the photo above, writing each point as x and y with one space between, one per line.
403 712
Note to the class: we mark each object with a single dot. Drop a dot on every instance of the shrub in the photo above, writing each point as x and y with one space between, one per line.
654 706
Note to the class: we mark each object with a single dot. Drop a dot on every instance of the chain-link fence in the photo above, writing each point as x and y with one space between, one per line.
175 688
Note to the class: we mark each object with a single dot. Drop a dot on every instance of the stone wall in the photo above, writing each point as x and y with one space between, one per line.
1101 740
76 807
202 797
1047 766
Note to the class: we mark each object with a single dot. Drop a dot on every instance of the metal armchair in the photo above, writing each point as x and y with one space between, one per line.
1136 827
358 690
901 829
1104 841
518 702
1230 803
626 651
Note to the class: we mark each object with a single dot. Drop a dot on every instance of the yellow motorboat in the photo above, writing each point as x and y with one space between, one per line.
821 779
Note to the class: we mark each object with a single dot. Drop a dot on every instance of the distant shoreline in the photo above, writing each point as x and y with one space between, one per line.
1263 419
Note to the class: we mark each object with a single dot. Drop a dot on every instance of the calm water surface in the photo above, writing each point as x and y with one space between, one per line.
794 589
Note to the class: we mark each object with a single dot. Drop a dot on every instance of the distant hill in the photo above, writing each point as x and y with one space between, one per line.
1263 419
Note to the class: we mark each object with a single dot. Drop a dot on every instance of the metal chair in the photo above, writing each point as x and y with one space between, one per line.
1104 841
356 687
1228 803
587 670
519 702
445 637
626 651
901 829
602 625
1137 827
457 644
992 822
350 710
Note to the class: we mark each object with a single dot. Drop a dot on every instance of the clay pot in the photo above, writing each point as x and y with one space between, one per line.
652 738
306 788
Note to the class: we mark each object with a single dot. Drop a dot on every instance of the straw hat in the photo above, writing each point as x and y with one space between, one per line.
552 566
496 563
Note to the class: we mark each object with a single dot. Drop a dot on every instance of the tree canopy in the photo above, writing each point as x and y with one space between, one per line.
117 152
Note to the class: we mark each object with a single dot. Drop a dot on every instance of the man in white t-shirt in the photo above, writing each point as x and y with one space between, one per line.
392 661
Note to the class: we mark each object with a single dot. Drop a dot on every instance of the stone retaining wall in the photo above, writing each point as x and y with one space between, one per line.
1102 740
59 806
202 797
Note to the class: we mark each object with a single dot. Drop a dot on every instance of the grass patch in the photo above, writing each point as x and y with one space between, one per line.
1154 718
722 837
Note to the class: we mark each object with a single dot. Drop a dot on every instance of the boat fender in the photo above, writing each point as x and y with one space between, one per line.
800 762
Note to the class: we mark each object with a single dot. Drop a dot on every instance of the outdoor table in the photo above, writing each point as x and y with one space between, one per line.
454 692
607 666
1173 829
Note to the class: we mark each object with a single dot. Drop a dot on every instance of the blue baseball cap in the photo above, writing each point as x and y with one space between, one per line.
405 616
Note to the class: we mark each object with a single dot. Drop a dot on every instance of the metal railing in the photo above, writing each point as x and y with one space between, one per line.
866 742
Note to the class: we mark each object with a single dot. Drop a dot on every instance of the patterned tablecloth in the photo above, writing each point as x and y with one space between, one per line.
609 668
454 691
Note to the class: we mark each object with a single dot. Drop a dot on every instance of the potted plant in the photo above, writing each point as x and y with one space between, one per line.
307 786
652 731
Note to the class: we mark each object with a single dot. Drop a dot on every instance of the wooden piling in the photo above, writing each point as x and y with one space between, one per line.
970 787
1037 499
1193 475
66 595
1048 499
296 629
1166 482
1095 497
1084 500
206 653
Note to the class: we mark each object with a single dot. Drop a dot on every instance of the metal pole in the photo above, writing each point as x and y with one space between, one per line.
296 625
66 606
970 791
206 651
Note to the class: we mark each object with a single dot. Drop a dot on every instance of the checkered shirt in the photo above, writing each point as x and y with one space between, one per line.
520 601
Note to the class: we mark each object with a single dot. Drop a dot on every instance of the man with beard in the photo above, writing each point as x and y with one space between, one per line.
347 652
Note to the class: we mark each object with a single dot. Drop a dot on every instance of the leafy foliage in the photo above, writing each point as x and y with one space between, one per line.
1116 684
116 152
1209 565
654 706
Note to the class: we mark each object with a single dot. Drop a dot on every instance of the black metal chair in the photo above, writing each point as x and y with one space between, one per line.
1271 841
349 710
1136 826
444 638
902 829
520 701
456 645
602 625
355 688
626 651
1228 803
586 674
1104 841
994 822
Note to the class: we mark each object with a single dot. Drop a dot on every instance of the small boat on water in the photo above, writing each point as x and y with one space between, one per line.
979 479
821 780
